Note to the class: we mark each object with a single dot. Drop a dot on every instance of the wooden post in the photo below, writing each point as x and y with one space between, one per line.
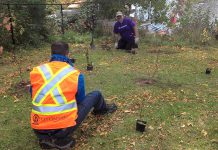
11 25
62 20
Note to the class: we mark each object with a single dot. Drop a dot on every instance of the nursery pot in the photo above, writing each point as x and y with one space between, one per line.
89 67
208 70
73 60
140 125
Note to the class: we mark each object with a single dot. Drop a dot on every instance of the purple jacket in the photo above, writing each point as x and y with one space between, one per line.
125 29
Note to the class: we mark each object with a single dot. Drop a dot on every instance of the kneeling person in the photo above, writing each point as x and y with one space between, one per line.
59 101
127 30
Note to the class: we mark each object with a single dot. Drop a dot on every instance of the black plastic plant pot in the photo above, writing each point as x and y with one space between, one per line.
73 60
140 125
89 67
208 70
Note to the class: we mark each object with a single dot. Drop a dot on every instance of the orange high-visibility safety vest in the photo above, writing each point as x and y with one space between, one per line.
54 86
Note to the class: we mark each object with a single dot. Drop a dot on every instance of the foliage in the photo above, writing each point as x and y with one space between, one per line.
71 37
51 9
205 36
107 9
29 22
195 25
102 10
4 29
159 10
88 13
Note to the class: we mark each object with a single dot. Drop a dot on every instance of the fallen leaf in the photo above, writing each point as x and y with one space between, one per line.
133 143
204 132
103 133
85 124
205 85
183 126
118 119
16 99
103 63
190 124
2 112
214 141
183 113
151 128
111 98
160 127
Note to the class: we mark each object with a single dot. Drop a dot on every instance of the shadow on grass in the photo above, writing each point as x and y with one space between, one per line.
157 83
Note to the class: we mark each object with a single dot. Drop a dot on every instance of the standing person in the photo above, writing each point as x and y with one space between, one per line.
126 29
59 101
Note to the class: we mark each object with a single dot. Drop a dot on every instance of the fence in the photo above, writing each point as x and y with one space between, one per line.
56 19
106 26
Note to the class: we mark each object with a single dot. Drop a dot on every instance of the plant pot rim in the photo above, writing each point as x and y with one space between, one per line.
141 121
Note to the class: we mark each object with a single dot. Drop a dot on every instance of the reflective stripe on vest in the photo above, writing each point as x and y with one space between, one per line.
51 83
45 110
58 96
45 71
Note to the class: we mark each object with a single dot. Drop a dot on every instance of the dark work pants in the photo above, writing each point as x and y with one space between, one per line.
93 99
127 44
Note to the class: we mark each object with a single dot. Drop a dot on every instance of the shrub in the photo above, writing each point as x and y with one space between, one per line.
29 22
71 37
195 26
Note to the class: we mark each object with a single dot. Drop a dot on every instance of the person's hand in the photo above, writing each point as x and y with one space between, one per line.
136 40
116 45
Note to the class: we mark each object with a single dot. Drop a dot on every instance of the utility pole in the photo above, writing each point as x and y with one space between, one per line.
149 11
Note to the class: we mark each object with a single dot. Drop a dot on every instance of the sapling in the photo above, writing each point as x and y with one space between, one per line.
140 124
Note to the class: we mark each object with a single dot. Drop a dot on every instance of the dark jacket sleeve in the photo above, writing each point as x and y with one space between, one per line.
30 90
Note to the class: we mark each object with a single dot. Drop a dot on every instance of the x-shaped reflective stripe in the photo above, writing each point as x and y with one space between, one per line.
51 83
56 94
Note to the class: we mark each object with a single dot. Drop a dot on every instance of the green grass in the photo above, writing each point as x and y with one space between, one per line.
180 107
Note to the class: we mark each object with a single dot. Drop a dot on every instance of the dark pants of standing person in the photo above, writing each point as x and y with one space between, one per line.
93 99
127 45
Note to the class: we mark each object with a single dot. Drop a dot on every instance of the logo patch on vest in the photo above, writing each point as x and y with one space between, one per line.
36 119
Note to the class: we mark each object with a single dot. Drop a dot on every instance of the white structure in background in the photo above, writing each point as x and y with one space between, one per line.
72 9
74 6
132 11
146 16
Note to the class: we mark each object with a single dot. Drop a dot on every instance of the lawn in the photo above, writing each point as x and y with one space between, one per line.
166 83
